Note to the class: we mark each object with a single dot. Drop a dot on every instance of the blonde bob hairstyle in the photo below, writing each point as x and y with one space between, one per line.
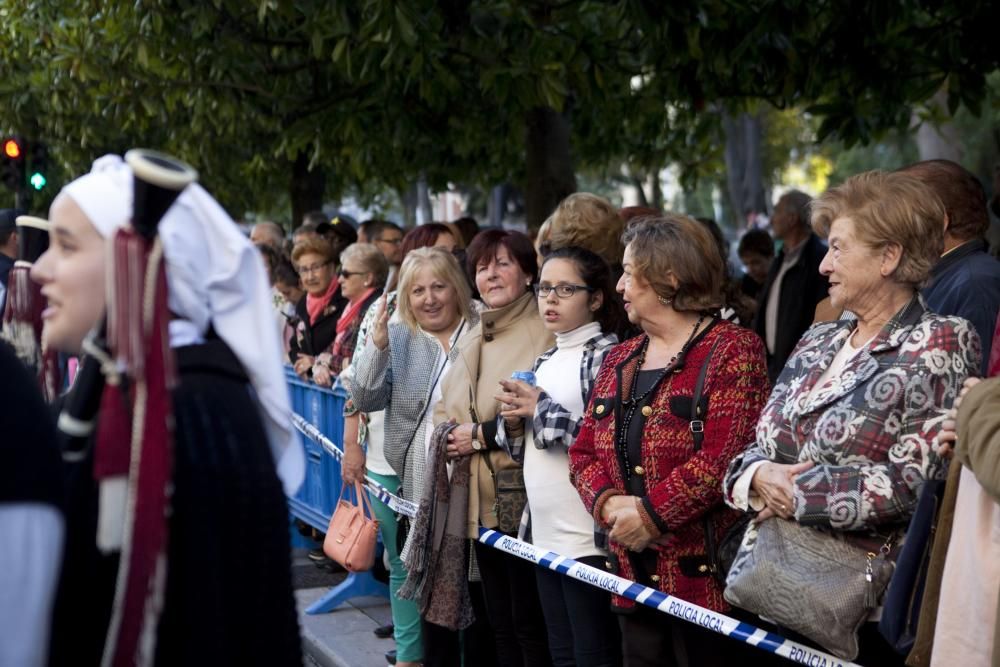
445 268
888 207
586 220
676 246
370 258
313 245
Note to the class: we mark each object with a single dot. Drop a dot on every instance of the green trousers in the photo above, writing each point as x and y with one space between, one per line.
406 618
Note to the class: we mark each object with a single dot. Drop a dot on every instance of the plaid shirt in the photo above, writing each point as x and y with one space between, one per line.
553 424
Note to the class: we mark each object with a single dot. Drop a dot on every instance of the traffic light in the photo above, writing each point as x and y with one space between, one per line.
39 165
12 170
12 148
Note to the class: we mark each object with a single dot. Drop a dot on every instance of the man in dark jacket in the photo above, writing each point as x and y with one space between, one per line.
8 249
966 280
794 285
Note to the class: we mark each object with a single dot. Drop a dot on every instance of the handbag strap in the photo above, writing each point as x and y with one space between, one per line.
364 502
697 427
361 500
695 422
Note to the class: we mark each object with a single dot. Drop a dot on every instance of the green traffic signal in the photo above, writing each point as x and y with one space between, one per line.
37 180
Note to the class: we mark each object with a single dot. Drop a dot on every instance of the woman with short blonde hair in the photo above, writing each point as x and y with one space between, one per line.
399 371
888 208
442 266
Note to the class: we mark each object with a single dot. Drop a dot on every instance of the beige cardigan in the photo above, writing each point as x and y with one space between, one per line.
978 442
506 339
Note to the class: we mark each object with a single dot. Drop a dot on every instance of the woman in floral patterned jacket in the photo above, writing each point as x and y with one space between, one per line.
850 432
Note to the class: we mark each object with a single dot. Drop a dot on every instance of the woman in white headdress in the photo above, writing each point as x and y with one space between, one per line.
224 596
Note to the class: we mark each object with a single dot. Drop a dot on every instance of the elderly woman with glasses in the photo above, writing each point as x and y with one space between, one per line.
319 308
331 310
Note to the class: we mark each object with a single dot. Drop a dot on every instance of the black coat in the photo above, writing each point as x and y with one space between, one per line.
228 597
801 289
312 339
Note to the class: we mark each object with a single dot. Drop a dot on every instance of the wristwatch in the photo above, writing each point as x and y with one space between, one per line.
476 445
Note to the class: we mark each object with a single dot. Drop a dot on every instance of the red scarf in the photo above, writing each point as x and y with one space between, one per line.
353 310
315 305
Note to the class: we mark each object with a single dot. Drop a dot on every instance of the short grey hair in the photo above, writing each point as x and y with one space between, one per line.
369 257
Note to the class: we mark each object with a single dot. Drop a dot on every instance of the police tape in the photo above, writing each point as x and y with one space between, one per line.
692 613
386 497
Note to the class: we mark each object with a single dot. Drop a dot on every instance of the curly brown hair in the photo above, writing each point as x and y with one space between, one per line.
677 247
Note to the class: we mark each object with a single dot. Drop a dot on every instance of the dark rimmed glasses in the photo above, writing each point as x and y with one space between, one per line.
562 290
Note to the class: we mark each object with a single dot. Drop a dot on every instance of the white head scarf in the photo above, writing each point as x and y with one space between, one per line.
214 277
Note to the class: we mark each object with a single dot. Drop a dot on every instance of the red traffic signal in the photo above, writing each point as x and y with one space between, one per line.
12 149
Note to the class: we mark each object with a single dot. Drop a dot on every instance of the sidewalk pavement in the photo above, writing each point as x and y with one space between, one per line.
344 637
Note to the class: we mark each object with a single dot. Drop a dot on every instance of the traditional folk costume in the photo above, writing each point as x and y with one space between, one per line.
177 550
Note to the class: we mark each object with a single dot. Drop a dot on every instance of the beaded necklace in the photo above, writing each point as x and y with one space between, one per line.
632 404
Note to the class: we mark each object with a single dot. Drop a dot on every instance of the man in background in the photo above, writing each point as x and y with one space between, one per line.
794 285
966 280
269 234
8 249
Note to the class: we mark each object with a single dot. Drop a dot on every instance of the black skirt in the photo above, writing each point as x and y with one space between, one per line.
228 598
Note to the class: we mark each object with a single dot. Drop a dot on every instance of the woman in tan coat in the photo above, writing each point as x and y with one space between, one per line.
508 338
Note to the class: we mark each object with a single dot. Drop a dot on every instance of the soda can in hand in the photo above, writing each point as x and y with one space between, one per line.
528 377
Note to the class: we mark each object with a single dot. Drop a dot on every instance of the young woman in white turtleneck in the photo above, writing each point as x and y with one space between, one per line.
539 426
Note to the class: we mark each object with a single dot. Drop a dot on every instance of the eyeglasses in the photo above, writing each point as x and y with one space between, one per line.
395 241
305 270
562 291
345 274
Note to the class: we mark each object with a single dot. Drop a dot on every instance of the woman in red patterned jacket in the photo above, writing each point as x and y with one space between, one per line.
645 471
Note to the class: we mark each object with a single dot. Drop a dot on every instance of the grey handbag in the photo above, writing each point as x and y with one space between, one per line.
810 582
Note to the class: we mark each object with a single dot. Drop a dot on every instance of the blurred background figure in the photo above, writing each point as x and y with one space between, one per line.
794 286
756 251
269 234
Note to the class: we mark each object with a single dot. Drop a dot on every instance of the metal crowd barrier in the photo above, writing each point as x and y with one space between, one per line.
323 409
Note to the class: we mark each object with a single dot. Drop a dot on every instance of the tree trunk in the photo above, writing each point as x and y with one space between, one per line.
408 201
549 176
656 201
496 205
425 212
938 141
306 188
744 169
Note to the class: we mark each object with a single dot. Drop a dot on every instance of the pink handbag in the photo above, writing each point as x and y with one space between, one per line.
352 535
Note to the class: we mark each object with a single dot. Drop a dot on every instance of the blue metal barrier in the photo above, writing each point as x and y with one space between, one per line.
320 490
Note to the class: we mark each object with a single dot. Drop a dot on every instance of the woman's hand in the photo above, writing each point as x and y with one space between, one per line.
380 332
612 504
774 482
517 400
322 375
460 441
949 427
302 366
627 527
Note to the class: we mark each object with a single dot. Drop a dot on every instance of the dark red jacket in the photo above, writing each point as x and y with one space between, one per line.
680 485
